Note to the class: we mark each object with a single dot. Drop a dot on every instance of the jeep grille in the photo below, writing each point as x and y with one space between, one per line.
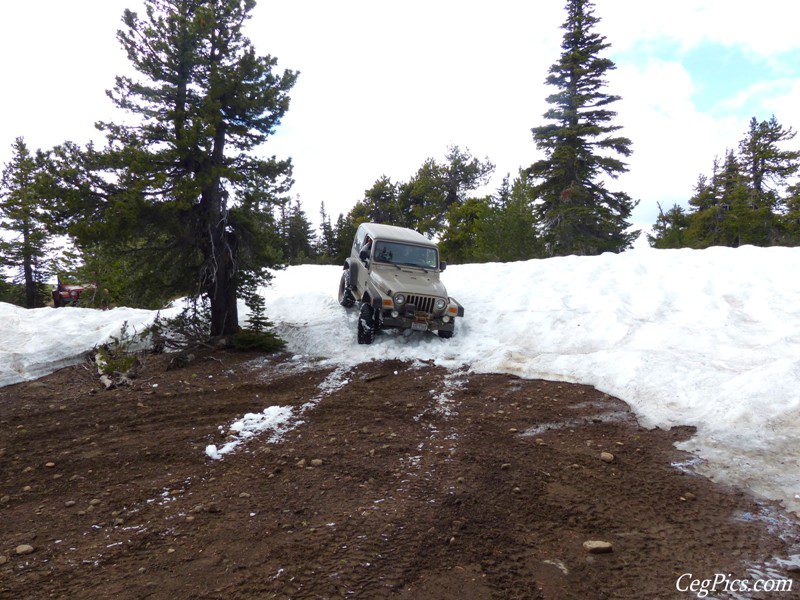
423 303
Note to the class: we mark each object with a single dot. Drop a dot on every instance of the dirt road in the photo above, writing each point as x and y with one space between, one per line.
431 484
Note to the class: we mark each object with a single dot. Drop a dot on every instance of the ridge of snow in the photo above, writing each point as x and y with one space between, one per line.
707 338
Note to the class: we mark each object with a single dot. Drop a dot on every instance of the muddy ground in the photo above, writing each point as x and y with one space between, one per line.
487 491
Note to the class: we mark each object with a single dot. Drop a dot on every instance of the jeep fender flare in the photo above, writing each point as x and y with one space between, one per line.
373 296
352 268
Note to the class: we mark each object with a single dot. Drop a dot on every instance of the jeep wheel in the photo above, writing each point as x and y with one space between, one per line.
445 335
346 297
366 324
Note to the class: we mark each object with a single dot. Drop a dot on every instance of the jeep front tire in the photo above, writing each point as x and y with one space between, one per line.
366 324
346 297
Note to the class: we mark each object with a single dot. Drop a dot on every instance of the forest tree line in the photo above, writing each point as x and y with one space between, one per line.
178 202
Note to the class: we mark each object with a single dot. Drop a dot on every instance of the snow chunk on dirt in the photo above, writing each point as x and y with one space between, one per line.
276 419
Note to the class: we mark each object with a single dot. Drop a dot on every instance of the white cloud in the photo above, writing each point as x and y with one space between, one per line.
673 142
765 28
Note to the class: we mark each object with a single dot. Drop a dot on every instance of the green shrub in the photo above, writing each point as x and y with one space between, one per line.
260 341
118 355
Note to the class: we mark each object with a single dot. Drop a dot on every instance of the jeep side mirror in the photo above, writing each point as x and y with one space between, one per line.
364 254
442 266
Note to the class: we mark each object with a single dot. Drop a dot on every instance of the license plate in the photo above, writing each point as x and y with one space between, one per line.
419 326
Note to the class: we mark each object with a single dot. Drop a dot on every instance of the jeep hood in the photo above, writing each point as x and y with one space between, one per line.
409 281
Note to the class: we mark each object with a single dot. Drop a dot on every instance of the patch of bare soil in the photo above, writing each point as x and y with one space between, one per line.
432 484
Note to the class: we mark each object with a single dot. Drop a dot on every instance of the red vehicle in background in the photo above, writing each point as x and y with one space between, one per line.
70 295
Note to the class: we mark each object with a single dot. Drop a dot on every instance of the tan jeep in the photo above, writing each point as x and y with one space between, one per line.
393 273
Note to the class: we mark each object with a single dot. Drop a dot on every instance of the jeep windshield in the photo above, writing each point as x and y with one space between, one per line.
406 255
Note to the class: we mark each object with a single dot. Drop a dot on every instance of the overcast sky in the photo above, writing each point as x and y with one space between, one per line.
384 85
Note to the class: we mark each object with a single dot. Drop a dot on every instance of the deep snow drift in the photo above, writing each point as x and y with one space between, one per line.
707 338
36 342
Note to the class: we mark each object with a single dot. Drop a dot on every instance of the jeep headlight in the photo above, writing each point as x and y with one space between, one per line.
440 304
399 299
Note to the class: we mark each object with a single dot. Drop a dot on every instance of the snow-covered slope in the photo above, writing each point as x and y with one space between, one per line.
37 342
707 338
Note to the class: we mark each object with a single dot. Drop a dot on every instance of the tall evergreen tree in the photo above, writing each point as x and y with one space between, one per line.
327 237
767 164
298 234
577 213
204 100
23 215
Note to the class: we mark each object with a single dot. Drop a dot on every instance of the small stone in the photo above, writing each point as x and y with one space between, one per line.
460 480
69 503
513 430
690 496
189 519
57 476
244 495
142 569
170 550
81 513
94 502
24 549
198 508
301 463
452 541
27 469
606 457
119 521
3 560
50 465
516 490
505 466
316 462
90 509
27 488
539 442
5 499
597 547
792 568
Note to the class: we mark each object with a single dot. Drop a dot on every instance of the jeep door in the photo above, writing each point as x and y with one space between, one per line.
361 280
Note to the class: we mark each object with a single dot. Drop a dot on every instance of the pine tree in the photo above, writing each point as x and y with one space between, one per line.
670 228
577 213
425 200
381 202
298 234
257 320
23 215
768 166
327 237
162 190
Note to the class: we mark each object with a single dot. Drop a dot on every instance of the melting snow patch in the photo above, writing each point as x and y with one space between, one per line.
277 419
273 418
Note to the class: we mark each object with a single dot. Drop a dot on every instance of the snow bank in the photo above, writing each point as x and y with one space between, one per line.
36 342
707 338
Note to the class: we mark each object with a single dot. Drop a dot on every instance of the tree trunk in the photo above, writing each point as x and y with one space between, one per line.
221 255
27 268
